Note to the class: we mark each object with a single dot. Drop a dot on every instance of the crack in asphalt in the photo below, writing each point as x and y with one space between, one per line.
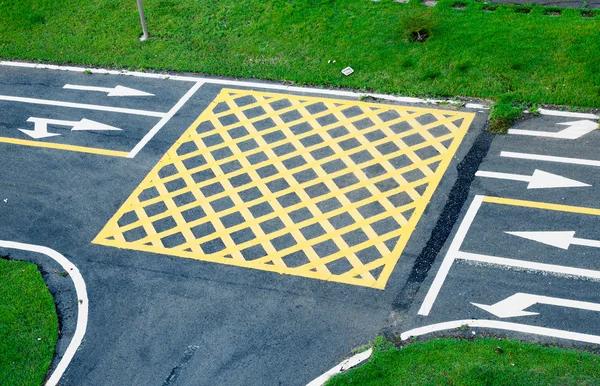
443 228
187 355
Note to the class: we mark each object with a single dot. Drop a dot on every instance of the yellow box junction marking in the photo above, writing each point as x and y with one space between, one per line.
314 187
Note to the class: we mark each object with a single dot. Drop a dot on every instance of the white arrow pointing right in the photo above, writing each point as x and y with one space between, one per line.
538 180
575 129
516 304
111 91
562 240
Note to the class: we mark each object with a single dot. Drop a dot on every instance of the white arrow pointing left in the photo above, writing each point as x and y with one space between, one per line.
575 129
40 129
562 240
114 91
538 180
516 304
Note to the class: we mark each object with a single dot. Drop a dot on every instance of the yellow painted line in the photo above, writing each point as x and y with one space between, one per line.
60 146
381 132
542 205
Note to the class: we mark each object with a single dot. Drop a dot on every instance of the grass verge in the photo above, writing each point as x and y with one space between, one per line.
28 324
471 48
485 361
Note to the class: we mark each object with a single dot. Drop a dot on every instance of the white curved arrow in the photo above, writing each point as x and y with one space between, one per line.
516 304
114 91
562 240
40 130
538 180
575 129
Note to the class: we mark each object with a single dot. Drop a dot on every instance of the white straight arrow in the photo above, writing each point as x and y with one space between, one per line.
575 129
538 180
516 304
40 129
562 240
114 91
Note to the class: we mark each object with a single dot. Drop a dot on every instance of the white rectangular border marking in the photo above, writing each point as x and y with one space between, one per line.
529 265
550 158
440 277
149 135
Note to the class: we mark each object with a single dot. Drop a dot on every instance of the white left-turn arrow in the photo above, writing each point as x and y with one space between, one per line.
114 91
538 180
561 239
516 304
575 129
40 129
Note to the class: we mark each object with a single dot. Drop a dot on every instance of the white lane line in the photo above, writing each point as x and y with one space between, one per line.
560 270
343 366
227 82
140 145
81 106
557 113
483 323
82 304
440 277
549 158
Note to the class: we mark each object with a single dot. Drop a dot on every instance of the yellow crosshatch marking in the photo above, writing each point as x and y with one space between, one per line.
315 187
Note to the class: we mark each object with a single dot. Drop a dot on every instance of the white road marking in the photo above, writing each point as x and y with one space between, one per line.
343 366
82 304
560 270
500 325
40 129
112 91
516 304
575 130
550 158
440 277
237 83
140 145
561 239
538 180
568 114
81 106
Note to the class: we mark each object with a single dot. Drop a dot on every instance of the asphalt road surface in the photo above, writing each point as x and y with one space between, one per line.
235 233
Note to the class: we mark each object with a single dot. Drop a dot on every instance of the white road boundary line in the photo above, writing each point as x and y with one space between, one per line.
529 265
238 83
81 106
550 158
569 114
452 325
272 86
440 277
343 366
82 304
495 324
140 145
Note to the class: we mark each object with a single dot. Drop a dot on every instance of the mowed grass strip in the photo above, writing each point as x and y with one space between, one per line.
474 49
484 361
28 324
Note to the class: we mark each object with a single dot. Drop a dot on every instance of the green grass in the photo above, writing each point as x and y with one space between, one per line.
484 361
543 59
28 325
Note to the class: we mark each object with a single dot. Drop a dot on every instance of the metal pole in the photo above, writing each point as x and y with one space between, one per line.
143 20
